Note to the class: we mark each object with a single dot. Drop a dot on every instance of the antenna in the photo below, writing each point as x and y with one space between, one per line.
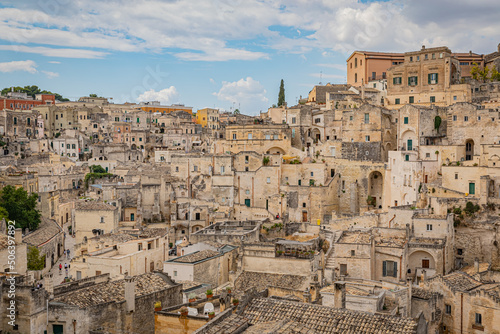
320 77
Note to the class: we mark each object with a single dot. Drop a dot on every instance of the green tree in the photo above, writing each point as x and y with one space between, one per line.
20 207
35 260
4 213
281 95
92 95
32 91
479 73
97 169
237 111
495 75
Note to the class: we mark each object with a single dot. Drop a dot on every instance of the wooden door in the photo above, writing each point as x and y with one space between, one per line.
425 263
304 216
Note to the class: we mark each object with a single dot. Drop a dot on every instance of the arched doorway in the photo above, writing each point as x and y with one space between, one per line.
469 149
422 260
315 135
375 189
409 139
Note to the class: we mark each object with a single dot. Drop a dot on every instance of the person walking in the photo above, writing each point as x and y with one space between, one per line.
60 268
66 268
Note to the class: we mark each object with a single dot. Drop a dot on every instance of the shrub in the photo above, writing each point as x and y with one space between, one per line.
265 161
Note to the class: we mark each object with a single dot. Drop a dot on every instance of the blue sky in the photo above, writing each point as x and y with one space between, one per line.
219 53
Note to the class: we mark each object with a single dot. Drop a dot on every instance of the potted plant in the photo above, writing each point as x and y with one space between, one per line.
236 301
158 306
228 289
211 315
209 293
184 311
192 297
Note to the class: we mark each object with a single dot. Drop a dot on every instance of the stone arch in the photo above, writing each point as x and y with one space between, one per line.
196 228
409 140
315 135
275 150
376 188
469 149
421 259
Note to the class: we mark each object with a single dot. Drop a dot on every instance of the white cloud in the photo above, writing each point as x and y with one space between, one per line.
53 52
222 30
19 65
50 75
247 94
165 96
54 62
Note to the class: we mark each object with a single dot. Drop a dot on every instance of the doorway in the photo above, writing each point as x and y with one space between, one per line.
425 263
304 216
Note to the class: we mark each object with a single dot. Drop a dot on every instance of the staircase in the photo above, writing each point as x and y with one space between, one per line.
329 256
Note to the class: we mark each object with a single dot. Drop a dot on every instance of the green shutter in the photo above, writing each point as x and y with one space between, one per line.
416 81
437 78
429 78
395 269
409 82
393 81
384 268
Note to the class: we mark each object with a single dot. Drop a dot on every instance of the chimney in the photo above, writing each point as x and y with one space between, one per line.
476 265
49 285
498 47
423 278
18 236
470 53
423 47
307 296
339 295
129 294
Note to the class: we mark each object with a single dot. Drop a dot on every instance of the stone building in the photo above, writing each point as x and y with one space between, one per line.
91 218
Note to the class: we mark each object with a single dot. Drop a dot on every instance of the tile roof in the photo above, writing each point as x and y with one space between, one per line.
94 205
471 270
461 281
350 290
355 237
323 319
112 292
232 324
47 229
3 241
196 256
285 326
421 293
248 279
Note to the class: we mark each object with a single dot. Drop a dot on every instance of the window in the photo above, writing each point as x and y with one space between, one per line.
294 120
374 75
429 227
412 99
355 77
397 101
176 168
454 117
350 118
275 137
456 176
195 168
448 309
432 78
389 269
433 56
479 319
300 182
466 118
247 192
222 169
175 273
102 219
268 180
427 155
355 62
406 120
268 137
412 81
367 118
246 159
460 251
234 136
411 58
198 216
139 246
433 99
293 133
317 120
478 118
367 138
250 136
407 157
472 188
464 63
454 97
353 252
343 269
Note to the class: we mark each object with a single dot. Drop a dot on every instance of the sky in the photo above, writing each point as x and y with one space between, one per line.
222 54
